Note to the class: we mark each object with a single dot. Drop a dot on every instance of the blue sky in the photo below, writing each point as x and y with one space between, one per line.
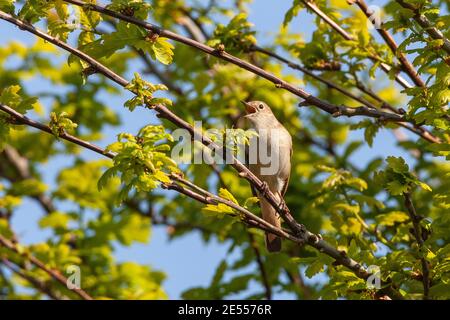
187 261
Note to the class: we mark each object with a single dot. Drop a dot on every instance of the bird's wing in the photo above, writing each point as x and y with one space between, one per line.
286 180
284 186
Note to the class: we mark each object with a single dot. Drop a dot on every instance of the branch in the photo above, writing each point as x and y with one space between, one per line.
327 82
38 284
164 112
418 235
151 68
335 110
279 83
210 198
407 66
25 120
206 197
38 263
261 266
418 130
201 195
423 21
347 36
191 26
296 278
299 230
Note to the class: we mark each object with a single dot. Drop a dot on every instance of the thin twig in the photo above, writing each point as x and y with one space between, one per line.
329 83
347 36
38 263
296 278
423 21
38 284
208 198
279 83
262 268
164 112
417 231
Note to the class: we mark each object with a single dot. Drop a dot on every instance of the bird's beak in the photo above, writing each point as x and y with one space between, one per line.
249 109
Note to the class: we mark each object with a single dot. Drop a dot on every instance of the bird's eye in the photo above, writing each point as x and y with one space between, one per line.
261 106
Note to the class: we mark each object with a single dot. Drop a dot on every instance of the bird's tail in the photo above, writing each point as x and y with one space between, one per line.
273 242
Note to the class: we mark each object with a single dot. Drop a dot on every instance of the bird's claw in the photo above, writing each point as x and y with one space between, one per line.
265 188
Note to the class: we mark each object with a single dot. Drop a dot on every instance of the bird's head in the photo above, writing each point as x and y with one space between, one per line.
257 112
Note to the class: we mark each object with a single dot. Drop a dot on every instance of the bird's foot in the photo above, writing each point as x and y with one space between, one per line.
264 188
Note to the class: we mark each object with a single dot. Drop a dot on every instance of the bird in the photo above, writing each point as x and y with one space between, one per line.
276 179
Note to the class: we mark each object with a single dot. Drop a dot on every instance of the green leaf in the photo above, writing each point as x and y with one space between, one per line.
10 97
7 6
144 91
397 188
292 12
397 164
314 268
61 124
224 193
163 50
55 220
391 218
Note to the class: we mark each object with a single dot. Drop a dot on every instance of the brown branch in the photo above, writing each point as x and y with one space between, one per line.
407 66
204 196
329 83
166 113
211 198
194 29
418 235
347 36
36 283
55 274
208 198
422 132
414 128
264 278
299 230
25 120
296 279
310 5
309 99
423 21
151 68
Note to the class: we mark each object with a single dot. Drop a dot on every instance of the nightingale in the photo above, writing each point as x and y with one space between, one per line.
278 142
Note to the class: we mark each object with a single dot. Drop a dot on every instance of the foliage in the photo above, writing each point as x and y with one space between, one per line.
142 161
351 178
